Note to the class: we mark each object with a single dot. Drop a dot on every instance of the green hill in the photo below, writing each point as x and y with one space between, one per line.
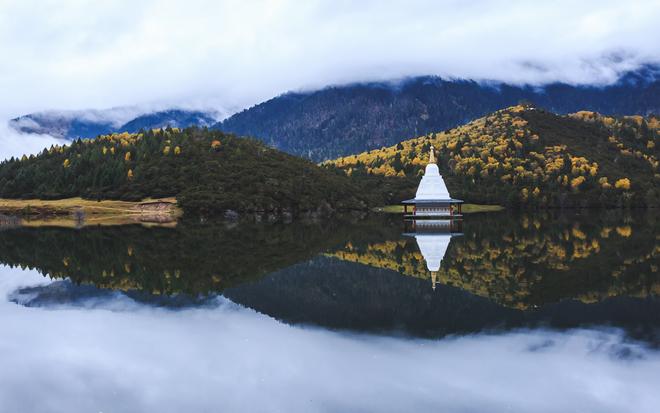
208 171
529 157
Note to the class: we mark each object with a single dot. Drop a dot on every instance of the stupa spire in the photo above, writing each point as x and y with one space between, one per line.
432 155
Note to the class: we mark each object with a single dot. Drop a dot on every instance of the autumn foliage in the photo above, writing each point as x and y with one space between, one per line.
505 156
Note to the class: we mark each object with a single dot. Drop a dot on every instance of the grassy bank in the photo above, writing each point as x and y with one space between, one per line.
467 208
87 208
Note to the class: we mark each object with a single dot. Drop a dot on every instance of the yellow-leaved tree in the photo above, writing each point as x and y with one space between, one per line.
576 182
623 183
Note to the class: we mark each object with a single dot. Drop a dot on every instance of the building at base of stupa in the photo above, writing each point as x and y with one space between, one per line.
432 199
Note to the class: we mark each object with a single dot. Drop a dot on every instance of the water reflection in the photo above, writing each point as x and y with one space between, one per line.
538 313
190 258
531 260
145 359
433 238
492 271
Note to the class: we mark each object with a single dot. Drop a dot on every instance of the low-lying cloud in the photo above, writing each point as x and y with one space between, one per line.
16 144
233 54
233 359
79 55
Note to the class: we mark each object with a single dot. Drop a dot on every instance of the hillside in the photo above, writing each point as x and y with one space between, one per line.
89 124
208 171
530 157
343 120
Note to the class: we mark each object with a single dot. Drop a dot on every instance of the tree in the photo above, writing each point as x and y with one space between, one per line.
576 182
623 183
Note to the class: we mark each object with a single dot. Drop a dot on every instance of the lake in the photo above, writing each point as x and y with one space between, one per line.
515 312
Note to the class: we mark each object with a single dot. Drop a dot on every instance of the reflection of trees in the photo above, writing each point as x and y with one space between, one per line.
532 260
516 261
191 258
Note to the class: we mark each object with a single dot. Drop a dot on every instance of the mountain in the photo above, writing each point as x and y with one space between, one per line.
89 124
341 120
524 156
208 171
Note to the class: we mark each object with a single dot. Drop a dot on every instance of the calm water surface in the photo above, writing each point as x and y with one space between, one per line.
541 312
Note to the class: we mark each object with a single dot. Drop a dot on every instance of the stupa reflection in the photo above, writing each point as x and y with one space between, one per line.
433 238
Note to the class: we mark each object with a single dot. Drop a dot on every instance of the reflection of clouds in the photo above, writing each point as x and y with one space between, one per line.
233 359
59 294
542 345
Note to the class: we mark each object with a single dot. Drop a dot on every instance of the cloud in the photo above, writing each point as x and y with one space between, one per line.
13 143
233 359
201 54
82 54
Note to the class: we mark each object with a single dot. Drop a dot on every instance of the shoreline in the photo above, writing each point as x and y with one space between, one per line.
74 212
467 208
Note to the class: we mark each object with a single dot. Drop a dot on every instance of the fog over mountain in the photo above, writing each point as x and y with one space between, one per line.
342 120
87 124
210 55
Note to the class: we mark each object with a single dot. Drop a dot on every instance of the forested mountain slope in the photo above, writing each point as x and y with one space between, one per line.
208 171
343 120
527 156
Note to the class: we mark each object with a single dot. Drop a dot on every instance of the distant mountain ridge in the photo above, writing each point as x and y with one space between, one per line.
342 120
88 124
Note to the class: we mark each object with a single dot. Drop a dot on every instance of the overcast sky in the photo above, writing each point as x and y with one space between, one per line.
231 54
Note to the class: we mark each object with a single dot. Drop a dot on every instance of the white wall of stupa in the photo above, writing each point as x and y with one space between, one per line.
432 186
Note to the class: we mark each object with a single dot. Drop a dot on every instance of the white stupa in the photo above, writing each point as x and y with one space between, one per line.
432 199
432 187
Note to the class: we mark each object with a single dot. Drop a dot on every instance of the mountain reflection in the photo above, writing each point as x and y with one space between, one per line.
530 260
190 258
492 271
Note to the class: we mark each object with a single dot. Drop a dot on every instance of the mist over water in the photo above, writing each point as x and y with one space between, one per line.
134 357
